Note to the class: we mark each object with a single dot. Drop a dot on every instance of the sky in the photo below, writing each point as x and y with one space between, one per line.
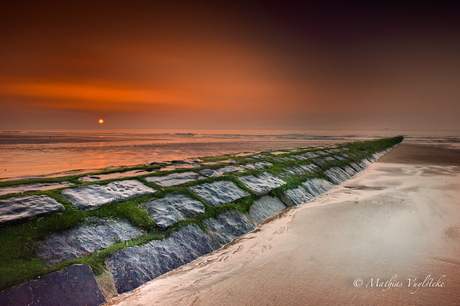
228 64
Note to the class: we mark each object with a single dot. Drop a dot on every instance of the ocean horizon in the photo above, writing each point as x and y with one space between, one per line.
40 152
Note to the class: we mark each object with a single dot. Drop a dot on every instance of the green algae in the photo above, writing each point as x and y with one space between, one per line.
19 261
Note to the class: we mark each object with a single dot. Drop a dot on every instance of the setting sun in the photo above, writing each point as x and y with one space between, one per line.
101 121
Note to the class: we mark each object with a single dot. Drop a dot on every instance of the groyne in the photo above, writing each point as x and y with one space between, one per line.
116 232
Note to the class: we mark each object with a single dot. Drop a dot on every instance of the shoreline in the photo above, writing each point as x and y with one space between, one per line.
399 217
134 215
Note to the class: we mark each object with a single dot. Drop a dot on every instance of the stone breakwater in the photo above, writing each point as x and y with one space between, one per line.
160 219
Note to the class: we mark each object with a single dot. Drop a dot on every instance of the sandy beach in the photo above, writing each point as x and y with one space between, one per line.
390 235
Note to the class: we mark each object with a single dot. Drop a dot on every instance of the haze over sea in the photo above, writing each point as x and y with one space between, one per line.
41 152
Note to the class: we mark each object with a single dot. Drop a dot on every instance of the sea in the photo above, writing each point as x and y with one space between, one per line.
38 153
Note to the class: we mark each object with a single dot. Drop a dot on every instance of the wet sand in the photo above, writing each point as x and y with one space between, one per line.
366 242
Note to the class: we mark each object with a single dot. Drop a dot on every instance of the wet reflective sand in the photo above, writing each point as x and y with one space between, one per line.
390 235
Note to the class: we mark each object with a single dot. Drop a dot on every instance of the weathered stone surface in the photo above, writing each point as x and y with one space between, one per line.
357 167
265 207
262 155
282 159
371 158
23 188
321 152
179 166
293 171
317 186
310 168
351 172
262 183
135 266
222 171
299 157
297 196
85 239
337 175
258 165
26 207
320 161
336 150
219 192
101 177
310 154
174 179
338 157
229 225
72 286
301 170
279 152
324 161
92 196
364 163
174 207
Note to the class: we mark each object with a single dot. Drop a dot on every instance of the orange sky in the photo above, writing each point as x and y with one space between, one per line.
237 65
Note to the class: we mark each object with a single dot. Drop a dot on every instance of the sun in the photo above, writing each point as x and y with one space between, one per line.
101 121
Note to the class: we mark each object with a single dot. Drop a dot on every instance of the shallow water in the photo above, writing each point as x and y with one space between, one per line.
40 152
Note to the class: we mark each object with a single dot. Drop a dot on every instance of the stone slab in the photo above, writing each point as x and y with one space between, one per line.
110 176
23 188
84 240
93 196
174 179
135 266
337 175
262 155
310 154
317 186
265 207
339 157
18 208
258 165
356 167
336 150
221 171
219 192
279 152
262 183
299 157
174 207
320 161
283 159
229 225
310 168
179 166
72 286
349 170
297 196
294 171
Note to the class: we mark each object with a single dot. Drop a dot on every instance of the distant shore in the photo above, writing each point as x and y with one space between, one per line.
390 235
